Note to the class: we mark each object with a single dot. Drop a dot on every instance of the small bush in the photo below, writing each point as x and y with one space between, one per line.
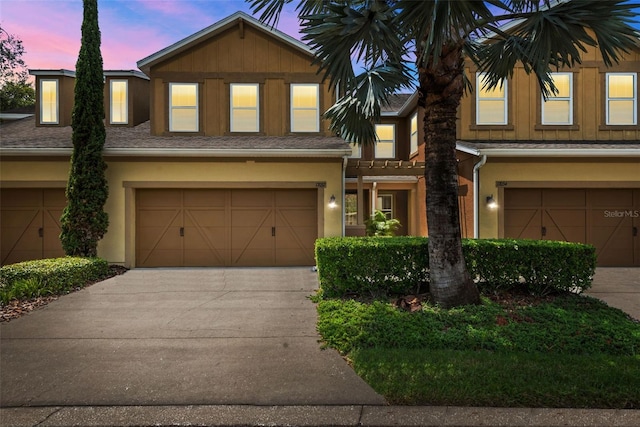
400 265
31 279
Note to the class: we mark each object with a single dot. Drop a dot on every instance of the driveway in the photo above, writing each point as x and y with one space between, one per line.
619 287
178 337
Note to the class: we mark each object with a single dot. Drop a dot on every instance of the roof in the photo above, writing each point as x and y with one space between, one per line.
23 138
145 64
551 149
61 72
400 104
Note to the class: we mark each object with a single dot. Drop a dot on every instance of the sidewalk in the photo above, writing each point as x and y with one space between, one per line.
352 415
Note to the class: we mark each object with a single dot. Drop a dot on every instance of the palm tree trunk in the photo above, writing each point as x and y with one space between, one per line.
441 88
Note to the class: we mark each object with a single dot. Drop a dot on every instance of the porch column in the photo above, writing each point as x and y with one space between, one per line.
360 196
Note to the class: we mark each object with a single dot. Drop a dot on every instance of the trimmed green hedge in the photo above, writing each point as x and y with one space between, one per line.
49 276
400 265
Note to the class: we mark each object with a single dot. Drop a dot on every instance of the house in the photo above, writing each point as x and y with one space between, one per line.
218 155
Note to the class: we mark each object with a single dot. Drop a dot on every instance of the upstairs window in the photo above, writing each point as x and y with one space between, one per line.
183 107
386 144
356 151
118 94
244 108
413 138
622 99
49 101
491 104
558 108
305 108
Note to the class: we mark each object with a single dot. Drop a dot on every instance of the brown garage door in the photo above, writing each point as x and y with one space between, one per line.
212 227
30 223
606 218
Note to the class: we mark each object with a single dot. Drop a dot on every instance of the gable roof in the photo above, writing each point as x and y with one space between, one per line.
24 138
145 64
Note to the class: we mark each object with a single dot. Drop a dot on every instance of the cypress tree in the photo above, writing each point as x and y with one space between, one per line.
84 221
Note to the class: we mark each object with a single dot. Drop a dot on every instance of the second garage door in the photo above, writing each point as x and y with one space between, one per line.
215 227
606 218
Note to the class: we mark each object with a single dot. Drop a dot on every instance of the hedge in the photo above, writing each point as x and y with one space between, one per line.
379 266
49 276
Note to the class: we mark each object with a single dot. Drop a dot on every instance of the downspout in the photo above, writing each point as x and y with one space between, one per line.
476 196
345 160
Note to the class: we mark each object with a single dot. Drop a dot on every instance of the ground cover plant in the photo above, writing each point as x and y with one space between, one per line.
28 285
515 349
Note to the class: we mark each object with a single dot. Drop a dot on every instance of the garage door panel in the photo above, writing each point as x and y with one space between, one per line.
21 197
293 257
523 224
151 198
252 237
563 198
52 246
523 198
296 198
292 217
611 199
252 257
565 224
251 198
205 198
206 217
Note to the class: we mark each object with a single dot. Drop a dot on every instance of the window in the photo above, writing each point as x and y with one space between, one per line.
621 99
183 107
305 108
491 104
118 97
356 151
244 108
413 139
558 108
386 144
384 204
351 209
49 101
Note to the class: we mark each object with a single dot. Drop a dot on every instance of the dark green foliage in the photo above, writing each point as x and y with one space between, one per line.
568 324
84 221
49 276
16 94
400 265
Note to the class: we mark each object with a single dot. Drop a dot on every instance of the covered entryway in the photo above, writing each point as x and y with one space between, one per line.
30 223
609 219
222 227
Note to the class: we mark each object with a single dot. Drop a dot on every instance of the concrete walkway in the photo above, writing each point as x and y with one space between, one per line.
220 347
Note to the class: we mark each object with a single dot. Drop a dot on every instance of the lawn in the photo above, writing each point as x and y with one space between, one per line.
562 350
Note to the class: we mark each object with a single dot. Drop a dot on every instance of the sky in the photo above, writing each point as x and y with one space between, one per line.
131 29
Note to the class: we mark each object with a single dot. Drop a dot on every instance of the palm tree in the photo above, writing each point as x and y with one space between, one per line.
543 35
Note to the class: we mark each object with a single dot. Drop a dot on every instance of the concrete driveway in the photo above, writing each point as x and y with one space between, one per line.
178 337
619 287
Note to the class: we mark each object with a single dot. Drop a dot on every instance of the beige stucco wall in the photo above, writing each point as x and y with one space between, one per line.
125 176
498 174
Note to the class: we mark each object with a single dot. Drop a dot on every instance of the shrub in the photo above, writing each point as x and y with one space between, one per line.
49 276
380 225
400 265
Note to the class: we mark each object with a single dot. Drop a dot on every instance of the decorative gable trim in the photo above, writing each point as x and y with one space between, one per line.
238 18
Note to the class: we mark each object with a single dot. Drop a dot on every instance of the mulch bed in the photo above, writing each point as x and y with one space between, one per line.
18 308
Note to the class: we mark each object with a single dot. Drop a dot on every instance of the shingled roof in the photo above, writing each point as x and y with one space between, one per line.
23 137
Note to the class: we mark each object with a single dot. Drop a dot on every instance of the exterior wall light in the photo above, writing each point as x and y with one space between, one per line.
491 202
332 202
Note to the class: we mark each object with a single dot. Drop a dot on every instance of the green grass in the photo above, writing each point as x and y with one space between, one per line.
570 351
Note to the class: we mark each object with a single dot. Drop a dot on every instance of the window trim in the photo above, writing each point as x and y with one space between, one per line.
256 108
634 99
570 98
316 109
391 211
196 107
57 107
504 99
126 102
413 144
393 141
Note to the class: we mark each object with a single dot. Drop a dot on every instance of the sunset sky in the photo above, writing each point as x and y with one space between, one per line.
131 29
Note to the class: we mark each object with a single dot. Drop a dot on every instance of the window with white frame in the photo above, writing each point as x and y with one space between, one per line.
356 151
351 208
183 107
118 95
305 108
49 101
557 109
384 204
386 144
491 104
413 138
244 108
622 99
